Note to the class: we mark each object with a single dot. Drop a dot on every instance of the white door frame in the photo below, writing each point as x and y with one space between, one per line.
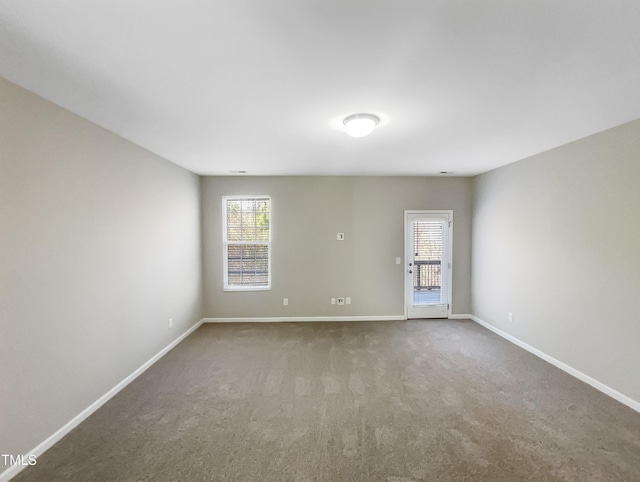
447 273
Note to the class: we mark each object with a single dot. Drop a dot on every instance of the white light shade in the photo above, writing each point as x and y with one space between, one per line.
360 125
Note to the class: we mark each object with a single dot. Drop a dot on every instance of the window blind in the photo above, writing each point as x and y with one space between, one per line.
247 242
427 247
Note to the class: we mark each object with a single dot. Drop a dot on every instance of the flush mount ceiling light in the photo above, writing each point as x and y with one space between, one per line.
360 125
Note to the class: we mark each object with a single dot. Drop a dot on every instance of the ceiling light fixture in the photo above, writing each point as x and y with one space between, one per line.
360 125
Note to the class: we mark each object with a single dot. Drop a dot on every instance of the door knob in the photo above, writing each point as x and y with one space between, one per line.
411 271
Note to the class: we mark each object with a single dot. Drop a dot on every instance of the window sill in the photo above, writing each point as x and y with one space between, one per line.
247 288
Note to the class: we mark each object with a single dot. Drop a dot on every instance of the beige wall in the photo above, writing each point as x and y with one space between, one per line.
100 245
310 267
556 241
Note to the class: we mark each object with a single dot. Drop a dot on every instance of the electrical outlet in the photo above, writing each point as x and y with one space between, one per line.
170 322
333 301
341 301
347 300
510 316
285 301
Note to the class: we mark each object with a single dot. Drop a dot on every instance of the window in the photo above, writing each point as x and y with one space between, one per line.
246 233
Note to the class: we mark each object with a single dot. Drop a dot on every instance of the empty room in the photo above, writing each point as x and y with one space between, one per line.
319 240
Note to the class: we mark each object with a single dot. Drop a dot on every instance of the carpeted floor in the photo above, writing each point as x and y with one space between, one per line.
361 401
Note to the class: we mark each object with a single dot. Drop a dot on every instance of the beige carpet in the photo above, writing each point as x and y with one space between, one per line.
361 401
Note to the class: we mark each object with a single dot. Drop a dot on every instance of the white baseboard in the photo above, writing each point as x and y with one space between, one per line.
14 470
460 317
629 402
285 319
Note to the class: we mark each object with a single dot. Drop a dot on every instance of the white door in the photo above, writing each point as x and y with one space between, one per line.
428 263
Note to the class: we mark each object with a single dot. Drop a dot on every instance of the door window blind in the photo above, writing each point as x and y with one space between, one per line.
427 246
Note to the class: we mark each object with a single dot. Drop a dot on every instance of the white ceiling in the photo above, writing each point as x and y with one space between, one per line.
262 86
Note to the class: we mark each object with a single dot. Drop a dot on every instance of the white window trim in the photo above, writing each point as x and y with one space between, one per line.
225 243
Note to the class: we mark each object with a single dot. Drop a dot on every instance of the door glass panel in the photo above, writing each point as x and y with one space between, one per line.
427 261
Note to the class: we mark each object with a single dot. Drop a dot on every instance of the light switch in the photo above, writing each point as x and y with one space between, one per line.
398 260
340 236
